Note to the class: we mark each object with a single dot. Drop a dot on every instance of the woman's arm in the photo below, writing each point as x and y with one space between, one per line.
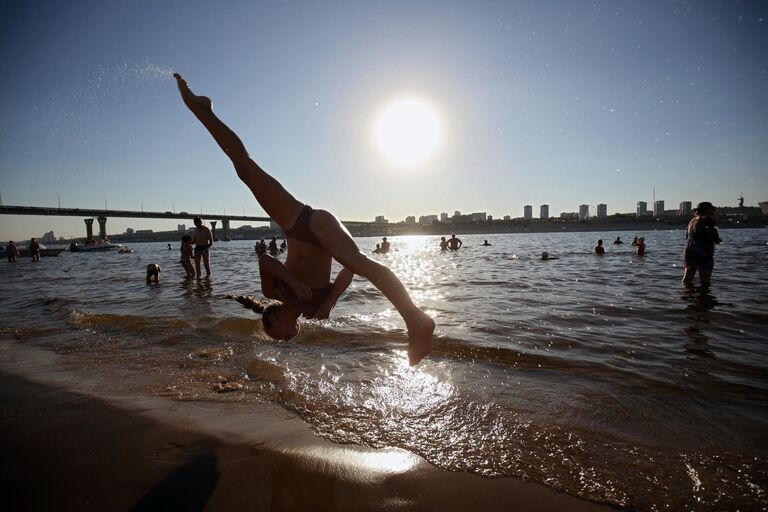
340 284
271 270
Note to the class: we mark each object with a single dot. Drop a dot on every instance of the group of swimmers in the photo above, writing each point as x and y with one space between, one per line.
638 242
200 252
262 248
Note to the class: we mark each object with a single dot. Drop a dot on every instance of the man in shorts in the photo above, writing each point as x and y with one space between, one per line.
203 241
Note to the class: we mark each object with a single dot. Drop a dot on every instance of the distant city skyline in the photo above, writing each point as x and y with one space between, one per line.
558 103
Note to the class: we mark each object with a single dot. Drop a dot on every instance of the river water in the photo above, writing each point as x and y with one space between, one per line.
598 376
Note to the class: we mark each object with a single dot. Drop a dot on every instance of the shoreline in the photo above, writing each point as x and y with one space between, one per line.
70 449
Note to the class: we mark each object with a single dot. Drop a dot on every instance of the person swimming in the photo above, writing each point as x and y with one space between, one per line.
317 237
545 256
486 244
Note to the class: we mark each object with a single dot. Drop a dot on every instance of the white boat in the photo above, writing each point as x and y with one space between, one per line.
96 247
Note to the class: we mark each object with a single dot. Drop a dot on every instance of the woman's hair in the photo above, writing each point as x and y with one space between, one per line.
266 308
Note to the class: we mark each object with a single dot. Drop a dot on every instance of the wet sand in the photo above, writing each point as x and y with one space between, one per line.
65 450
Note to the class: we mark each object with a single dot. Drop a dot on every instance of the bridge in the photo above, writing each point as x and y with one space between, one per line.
102 215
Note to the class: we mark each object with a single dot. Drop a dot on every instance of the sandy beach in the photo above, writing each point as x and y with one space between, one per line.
69 451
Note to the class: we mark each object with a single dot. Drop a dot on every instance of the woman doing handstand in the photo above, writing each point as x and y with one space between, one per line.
303 285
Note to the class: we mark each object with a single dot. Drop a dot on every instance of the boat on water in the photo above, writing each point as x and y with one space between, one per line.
94 247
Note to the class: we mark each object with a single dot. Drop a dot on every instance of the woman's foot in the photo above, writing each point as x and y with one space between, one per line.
420 329
199 105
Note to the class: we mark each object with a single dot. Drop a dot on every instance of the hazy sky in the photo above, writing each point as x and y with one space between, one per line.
540 102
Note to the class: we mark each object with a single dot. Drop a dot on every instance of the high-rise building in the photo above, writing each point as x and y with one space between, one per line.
583 211
380 220
602 211
457 213
181 228
544 211
642 208
427 219
444 217
527 212
658 208
685 209
478 216
507 217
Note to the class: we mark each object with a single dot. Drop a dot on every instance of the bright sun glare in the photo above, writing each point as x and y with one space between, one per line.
408 131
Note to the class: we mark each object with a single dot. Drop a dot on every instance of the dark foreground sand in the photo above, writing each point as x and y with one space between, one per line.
63 450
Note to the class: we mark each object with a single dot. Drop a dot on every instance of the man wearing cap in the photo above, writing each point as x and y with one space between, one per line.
702 235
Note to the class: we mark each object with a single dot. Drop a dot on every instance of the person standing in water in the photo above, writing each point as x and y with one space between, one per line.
641 246
203 239
599 249
11 252
384 246
702 236
454 243
34 249
302 285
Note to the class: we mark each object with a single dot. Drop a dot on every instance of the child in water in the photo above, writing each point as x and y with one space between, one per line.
302 285
641 246
153 273
187 255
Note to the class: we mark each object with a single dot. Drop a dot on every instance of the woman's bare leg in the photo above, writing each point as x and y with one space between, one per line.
276 201
336 240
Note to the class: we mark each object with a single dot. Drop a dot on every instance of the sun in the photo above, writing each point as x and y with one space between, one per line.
408 131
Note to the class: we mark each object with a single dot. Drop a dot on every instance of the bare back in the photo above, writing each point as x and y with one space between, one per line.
202 236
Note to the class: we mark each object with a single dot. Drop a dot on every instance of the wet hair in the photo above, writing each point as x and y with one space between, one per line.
197 221
703 206
600 242
186 238
266 308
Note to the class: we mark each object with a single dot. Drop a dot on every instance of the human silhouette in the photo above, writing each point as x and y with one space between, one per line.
302 285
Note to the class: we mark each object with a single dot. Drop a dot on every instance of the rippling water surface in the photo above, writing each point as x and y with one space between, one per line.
598 376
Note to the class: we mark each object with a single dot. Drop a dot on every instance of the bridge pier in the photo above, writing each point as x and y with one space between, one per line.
88 229
225 228
102 227
213 229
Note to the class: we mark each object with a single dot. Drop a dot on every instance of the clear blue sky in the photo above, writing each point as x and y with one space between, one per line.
562 103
